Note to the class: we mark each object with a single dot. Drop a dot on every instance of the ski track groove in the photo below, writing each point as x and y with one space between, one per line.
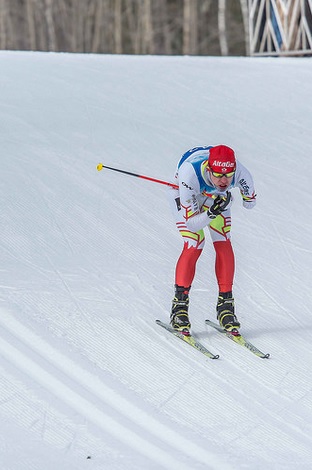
97 391
278 407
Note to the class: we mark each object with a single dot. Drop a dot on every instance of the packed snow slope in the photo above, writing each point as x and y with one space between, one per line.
88 380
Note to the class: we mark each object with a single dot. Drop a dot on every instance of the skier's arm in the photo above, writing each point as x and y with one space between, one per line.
246 186
195 218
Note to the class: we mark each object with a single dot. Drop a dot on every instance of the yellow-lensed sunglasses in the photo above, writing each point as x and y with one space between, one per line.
220 175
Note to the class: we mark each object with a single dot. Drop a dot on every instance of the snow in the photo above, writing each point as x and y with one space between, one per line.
88 380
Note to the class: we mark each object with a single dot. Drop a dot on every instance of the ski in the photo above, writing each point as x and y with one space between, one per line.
239 339
189 339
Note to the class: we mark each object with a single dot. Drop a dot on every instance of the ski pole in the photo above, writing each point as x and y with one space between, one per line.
100 167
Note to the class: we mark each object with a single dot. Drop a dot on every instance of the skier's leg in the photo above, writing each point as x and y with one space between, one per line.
185 268
220 229
224 265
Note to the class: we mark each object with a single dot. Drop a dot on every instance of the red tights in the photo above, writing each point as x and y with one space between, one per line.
224 266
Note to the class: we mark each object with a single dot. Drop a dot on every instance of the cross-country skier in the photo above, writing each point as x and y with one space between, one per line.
205 176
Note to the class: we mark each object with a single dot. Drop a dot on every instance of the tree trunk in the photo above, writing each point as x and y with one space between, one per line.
118 27
147 36
245 15
98 19
3 19
222 28
50 25
190 40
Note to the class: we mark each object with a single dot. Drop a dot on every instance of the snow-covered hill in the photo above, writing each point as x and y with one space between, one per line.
88 380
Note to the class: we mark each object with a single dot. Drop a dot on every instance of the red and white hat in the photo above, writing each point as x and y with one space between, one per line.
222 159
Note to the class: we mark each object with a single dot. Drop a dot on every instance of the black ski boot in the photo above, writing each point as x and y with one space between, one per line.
225 312
179 319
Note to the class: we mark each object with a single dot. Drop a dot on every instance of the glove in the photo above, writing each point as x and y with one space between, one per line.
249 201
219 205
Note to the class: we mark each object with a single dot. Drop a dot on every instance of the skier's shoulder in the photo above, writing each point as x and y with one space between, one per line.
188 176
194 156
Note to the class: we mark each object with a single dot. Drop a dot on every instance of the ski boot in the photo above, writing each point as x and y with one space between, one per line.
179 319
225 312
